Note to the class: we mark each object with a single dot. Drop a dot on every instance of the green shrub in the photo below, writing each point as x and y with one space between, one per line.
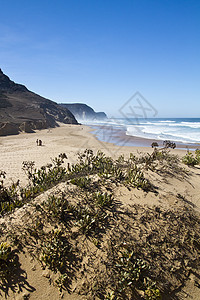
131 270
189 159
43 178
62 281
152 294
55 251
9 196
169 144
103 199
197 153
5 251
89 220
135 177
130 275
82 182
7 263
57 208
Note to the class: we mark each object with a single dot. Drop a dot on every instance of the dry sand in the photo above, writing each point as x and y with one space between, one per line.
71 139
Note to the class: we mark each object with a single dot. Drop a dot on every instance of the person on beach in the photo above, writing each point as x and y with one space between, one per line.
39 142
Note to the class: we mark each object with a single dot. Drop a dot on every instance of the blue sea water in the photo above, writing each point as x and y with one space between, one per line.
180 130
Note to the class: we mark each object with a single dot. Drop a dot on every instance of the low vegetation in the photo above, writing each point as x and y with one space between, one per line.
191 160
83 231
89 164
8 266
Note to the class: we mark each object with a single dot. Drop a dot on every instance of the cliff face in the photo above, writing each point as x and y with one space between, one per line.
8 85
84 112
23 110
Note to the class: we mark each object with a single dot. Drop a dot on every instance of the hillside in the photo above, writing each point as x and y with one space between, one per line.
84 112
23 110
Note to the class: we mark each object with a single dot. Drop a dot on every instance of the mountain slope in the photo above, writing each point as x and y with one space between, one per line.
23 110
84 112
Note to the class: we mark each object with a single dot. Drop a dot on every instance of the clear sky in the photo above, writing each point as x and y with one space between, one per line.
100 52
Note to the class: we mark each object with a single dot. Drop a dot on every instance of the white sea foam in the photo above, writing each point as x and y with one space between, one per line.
163 132
177 130
191 124
167 121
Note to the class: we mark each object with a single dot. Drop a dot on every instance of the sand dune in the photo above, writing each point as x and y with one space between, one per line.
174 192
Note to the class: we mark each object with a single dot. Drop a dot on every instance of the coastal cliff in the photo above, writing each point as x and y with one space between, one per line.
23 110
84 112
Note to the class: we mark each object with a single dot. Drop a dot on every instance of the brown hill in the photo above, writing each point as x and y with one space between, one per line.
23 110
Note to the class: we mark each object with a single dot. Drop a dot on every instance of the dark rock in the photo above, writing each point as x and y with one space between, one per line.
8 129
4 102
26 127
8 85
27 110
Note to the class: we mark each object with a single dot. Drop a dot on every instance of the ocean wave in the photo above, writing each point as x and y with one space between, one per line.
164 133
179 130
183 124
191 124
170 124
167 121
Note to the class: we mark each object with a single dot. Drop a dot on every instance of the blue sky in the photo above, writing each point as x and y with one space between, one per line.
100 52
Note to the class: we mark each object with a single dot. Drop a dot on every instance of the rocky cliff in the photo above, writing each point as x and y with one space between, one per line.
84 112
23 110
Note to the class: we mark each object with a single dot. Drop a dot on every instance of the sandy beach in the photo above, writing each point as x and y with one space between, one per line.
172 191
69 139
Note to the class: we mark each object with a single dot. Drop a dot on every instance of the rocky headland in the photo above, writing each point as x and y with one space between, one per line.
83 112
24 111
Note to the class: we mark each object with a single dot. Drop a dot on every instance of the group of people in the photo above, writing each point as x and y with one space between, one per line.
39 142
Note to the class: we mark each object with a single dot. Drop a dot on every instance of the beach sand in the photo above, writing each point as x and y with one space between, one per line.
71 139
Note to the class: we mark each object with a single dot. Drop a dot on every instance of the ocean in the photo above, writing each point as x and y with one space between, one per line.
183 131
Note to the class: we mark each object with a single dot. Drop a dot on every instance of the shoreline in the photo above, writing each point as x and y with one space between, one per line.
118 137
67 138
